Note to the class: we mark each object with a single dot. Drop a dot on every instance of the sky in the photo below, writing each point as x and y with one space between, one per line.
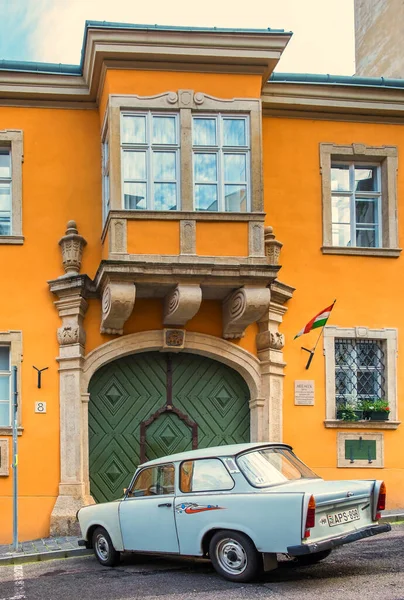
52 30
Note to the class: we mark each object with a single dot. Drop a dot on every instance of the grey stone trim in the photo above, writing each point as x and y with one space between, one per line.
4 458
256 239
362 464
243 307
12 239
390 338
337 424
180 215
182 304
9 431
387 157
118 300
13 139
380 252
118 241
188 236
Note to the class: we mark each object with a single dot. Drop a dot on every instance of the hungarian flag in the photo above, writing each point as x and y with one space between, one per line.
318 321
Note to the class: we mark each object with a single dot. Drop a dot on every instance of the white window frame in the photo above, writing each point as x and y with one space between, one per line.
220 150
390 339
353 195
8 181
12 140
3 374
13 339
150 148
386 157
106 194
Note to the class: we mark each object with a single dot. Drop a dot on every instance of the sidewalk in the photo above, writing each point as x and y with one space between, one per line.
63 547
42 549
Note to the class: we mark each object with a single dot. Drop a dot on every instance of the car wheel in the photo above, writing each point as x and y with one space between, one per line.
234 556
311 559
104 549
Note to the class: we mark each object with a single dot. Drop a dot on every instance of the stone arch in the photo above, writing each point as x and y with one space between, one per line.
242 361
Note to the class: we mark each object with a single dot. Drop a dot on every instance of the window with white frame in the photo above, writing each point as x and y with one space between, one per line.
356 205
5 191
360 364
5 387
106 205
221 163
359 197
11 157
150 160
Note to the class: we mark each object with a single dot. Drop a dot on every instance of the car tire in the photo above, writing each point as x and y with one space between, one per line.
234 556
104 549
311 559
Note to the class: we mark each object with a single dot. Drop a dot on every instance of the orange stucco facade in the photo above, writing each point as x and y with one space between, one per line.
62 180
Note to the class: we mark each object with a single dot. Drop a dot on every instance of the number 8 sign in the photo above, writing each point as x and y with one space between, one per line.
40 407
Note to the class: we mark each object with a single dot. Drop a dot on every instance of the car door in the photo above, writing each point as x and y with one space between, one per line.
147 513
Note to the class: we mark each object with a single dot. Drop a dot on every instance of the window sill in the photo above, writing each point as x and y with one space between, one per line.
339 424
9 430
377 252
12 239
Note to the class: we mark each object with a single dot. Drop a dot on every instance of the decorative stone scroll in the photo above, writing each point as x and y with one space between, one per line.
272 246
243 307
72 245
182 304
118 300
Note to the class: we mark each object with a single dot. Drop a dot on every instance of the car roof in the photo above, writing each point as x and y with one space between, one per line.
227 450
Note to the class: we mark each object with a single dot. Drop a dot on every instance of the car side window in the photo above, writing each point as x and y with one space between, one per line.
205 475
154 481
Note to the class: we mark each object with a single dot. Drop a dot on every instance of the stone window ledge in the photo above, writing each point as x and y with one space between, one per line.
377 252
9 430
11 239
338 424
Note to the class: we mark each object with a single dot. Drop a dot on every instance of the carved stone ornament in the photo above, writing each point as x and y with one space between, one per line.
72 245
70 334
182 304
272 246
243 307
174 338
118 301
277 341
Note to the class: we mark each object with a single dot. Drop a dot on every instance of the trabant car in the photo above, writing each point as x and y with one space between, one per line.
239 505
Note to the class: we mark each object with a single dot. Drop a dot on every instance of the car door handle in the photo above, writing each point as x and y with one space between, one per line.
167 504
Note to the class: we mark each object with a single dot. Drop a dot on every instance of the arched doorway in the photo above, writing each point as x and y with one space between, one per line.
150 404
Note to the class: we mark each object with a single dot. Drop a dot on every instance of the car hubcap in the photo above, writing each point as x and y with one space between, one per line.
231 556
102 547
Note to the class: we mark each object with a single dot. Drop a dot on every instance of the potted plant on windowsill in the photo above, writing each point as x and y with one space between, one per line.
376 410
349 412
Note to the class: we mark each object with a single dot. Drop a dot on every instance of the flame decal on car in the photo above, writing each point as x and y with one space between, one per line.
191 508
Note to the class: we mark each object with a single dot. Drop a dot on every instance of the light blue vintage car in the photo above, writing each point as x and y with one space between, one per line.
239 505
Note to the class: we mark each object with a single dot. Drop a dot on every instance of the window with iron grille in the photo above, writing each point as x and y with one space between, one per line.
360 370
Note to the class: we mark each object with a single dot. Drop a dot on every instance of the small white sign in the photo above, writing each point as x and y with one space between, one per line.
304 392
40 407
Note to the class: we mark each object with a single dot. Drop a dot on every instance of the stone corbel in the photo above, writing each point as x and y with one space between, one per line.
182 304
118 300
243 307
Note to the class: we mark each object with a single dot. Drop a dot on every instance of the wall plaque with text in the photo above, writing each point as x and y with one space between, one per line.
304 392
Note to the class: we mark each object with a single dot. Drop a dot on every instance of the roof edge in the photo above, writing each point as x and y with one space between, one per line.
321 79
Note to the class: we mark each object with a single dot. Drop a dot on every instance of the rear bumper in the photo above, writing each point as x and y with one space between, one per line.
339 541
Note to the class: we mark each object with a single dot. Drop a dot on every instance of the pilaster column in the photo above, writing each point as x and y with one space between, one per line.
270 343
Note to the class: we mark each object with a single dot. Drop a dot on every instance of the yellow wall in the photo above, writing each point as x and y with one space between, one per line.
368 290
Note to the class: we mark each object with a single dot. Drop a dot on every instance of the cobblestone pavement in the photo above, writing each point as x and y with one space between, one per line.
41 549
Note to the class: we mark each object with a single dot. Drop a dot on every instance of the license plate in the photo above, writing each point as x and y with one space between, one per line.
344 516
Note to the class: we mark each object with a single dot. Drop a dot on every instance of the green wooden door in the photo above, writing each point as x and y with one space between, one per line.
160 403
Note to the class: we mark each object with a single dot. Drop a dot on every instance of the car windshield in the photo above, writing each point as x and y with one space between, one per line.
270 466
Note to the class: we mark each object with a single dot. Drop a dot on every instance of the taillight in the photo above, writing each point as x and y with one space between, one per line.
310 517
381 501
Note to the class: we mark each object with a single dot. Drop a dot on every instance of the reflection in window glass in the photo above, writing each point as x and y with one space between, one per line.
135 196
205 168
134 165
133 129
206 197
236 198
5 192
4 358
268 466
5 164
165 197
204 475
164 130
164 166
356 205
154 481
5 380
204 132
234 132
235 168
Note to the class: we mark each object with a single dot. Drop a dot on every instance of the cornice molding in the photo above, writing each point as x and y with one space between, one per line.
106 48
